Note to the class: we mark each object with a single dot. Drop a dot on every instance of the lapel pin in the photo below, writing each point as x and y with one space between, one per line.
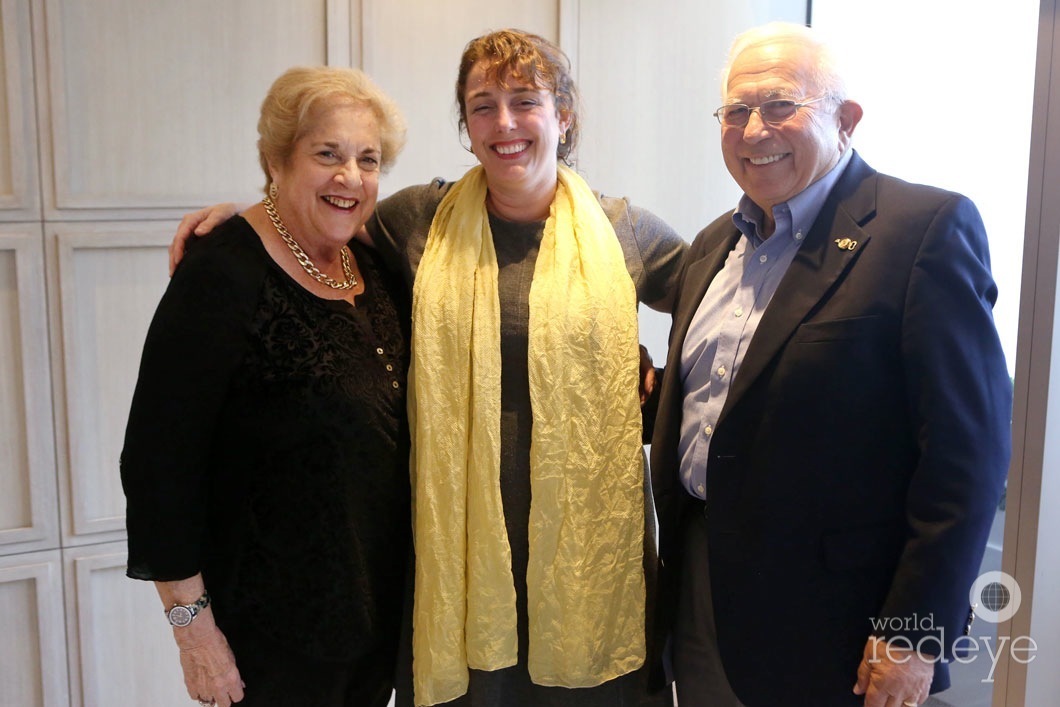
846 244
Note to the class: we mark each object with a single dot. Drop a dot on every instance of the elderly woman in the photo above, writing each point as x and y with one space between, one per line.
528 473
265 456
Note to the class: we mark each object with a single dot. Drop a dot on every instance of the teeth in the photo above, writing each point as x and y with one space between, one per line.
769 159
341 203
513 148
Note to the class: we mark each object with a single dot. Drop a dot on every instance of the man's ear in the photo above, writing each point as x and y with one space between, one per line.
850 113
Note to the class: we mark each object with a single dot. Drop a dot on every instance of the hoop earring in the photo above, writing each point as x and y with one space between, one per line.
273 191
563 139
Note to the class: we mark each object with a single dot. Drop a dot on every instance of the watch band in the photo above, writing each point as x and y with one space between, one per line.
181 615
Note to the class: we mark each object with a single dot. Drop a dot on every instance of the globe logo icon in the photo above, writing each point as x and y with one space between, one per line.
995 597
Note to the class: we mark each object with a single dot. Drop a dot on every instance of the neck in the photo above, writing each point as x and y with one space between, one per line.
320 252
768 224
325 257
521 205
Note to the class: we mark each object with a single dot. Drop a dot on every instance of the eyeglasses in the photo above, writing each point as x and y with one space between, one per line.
774 112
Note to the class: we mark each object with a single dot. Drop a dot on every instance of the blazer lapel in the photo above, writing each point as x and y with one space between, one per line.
817 266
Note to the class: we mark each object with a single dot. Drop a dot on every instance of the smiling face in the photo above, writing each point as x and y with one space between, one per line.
328 186
514 131
773 163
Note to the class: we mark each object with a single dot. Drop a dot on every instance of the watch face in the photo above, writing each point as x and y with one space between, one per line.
180 616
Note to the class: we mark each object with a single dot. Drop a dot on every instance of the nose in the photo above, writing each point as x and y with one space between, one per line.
349 174
505 119
756 128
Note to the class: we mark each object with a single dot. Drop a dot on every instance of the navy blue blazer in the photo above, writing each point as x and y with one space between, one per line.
857 464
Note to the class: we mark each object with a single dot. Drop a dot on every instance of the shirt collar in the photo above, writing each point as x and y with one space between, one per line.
800 210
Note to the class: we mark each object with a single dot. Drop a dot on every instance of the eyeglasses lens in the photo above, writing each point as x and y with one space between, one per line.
777 111
772 112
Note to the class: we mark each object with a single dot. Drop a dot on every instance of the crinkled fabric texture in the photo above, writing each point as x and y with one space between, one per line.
585 576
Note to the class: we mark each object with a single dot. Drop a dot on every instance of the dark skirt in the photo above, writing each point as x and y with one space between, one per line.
277 675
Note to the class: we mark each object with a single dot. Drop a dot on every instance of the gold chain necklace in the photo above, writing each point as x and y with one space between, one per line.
300 255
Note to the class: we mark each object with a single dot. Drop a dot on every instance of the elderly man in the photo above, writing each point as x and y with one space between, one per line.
833 424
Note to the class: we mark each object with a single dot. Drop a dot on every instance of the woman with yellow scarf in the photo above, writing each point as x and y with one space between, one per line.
527 469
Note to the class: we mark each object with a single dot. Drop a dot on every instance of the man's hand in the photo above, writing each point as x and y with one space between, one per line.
647 375
890 676
197 223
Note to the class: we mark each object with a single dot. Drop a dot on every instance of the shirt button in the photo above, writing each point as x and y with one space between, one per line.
708 430
798 236
738 312
394 384
389 367
721 371
763 258
379 351
702 489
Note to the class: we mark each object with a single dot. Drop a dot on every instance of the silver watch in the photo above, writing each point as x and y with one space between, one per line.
181 615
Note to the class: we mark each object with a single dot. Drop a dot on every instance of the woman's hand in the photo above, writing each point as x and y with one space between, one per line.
197 223
210 672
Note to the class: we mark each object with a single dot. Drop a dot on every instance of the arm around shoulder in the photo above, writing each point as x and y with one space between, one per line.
196 224
661 251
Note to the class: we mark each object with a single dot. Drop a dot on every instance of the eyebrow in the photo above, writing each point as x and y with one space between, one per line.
484 93
334 145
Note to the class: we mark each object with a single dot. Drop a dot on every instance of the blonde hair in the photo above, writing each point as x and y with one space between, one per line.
512 53
825 72
297 96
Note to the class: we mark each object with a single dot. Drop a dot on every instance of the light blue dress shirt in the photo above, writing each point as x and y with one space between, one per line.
728 316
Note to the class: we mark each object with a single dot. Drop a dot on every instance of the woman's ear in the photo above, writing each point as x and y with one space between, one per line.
274 174
565 121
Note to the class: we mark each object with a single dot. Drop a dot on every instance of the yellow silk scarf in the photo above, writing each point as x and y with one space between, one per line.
585 578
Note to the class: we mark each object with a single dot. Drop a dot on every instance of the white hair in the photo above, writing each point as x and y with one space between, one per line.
824 70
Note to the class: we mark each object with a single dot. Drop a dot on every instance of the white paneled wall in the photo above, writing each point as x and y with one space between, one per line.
117 116
102 604
32 650
108 278
154 104
27 457
19 192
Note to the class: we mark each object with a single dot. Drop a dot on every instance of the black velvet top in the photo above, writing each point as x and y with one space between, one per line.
267 447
